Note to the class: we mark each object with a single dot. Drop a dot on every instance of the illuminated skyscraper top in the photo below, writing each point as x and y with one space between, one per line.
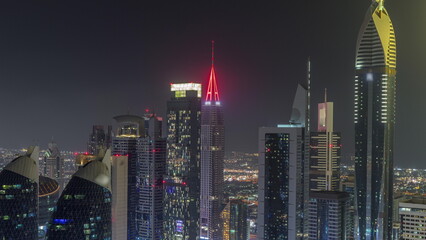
212 90
374 117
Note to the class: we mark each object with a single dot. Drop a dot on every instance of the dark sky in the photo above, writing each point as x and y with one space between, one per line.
66 65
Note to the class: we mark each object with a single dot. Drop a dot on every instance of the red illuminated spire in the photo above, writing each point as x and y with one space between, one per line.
212 91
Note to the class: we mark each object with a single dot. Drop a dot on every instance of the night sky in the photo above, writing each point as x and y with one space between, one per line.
66 65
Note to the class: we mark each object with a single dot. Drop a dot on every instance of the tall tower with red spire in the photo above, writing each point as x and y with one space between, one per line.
212 156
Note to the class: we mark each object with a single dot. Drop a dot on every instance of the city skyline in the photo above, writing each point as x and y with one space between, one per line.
58 75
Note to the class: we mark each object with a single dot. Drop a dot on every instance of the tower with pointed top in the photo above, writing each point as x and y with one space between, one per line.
374 118
212 156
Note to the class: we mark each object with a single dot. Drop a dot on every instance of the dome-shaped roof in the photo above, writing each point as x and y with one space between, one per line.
47 186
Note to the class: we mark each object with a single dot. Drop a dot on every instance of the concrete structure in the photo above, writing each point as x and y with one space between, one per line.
412 214
119 170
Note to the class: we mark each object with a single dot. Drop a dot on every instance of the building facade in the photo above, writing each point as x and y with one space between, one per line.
212 157
152 168
182 180
325 152
329 215
119 171
19 197
375 75
99 139
281 196
235 224
130 129
412 214
84 208
53 164
48 195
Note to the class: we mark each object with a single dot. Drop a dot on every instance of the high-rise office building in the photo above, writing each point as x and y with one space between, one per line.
325 151
153 124
212 156
182 181
99 139
84 208
235 221
374 119
348 185
48 194
328 215
412 214
19 197
283 181
130 129
152 157
53 164
119 170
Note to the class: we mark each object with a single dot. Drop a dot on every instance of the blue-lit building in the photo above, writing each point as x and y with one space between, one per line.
19 197
84 209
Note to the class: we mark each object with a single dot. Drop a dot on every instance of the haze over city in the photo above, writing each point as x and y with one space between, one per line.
64 67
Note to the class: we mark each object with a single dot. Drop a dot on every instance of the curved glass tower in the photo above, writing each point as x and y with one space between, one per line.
84 209
374 123
19 197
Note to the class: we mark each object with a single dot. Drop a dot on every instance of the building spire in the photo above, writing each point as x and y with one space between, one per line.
212 91
325 95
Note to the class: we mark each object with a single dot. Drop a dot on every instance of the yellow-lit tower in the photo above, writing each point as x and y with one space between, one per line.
374 119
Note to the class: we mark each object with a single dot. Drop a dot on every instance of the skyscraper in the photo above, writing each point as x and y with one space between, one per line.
375 76
325 151
84 208
212 156
19 197
329 216
234 217
151 170
53 164
119 171
48 194
283 181
182 181
98 139
130 129
412 214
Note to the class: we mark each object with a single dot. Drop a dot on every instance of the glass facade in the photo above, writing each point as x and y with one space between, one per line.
83 212
374 117
277 154
182 181
18 207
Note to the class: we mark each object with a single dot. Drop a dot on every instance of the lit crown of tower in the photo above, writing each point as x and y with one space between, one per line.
212 91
